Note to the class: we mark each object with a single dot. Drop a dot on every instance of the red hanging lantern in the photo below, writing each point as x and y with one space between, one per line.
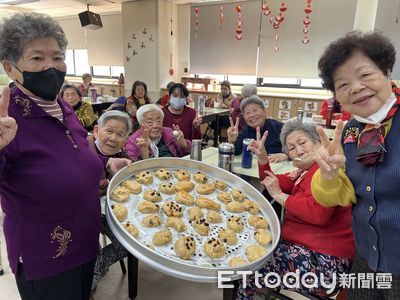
196 17
221 16
239 30
306 22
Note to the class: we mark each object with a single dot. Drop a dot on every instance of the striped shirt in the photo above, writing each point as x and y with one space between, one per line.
51 107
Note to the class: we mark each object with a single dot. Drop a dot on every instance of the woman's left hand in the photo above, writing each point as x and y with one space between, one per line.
116 164
271 182
277 157
178 134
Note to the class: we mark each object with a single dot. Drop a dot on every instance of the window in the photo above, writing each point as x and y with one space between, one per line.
240 79
311 83
101 71
77 64
81 62
69 61
117 70
276 81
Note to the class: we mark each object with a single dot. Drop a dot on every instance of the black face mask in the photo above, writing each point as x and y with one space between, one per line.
44 84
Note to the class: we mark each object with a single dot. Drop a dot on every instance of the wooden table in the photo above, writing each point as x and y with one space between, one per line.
204 81
213 114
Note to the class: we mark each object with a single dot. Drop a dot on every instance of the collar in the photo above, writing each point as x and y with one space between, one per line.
30 110
381 114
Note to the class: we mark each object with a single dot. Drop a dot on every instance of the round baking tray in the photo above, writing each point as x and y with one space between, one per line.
179 268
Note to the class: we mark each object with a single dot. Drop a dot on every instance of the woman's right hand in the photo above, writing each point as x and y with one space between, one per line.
233 130
143 142
329 154
258 146
8 125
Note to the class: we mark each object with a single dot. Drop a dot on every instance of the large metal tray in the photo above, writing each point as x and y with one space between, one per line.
178 268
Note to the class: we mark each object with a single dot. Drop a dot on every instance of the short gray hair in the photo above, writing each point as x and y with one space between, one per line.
22 28
147 108
116 115
254 99
247 90
293 125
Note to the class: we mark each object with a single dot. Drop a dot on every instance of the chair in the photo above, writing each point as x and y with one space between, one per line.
121 262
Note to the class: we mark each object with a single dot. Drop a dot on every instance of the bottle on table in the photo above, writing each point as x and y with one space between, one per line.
247 155
195 152
226 153
329 116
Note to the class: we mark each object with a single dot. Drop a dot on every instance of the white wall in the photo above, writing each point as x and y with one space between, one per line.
144 66
183 40
168 45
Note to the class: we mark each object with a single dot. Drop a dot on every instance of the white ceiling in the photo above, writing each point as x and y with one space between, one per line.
66 8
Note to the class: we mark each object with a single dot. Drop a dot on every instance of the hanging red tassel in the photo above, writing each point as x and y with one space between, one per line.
265 9
277 22
196 17
221 17
239 23
306 22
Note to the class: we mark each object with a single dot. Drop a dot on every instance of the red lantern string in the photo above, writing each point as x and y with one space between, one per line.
276 22
306 23
265 9
239 23
196 16
221 17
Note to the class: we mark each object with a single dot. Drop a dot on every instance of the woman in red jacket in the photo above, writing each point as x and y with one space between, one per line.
315 239
337 109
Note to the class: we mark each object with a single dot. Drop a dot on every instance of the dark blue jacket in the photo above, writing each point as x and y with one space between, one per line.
376 216
272 144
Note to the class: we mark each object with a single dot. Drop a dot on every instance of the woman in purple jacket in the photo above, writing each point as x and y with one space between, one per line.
49 177
154 140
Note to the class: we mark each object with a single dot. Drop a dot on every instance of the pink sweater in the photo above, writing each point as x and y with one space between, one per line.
173 146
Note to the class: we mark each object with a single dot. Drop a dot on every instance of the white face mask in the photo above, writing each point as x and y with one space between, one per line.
176 102
380 115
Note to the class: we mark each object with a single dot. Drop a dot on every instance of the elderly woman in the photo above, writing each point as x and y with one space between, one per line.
361 166
84 111
50 177
86 84
108 139
225 99
246 91
255 115
178 113
315 239
131 104
154 140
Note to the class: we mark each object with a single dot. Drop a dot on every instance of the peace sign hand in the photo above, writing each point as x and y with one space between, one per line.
233 130
178 134
258 146
197 122
329 154
8 125
143 143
